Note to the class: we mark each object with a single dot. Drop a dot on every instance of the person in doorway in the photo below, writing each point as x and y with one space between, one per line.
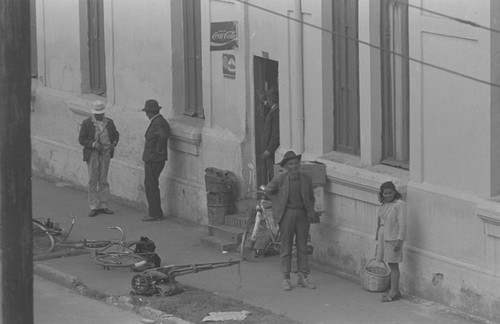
293 209
99 137
270 129
154 156
391 233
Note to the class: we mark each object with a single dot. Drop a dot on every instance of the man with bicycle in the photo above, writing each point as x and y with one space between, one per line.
293 209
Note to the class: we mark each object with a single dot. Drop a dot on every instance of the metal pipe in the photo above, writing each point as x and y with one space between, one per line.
299 82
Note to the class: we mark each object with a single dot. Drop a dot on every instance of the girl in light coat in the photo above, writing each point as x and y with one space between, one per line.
391 233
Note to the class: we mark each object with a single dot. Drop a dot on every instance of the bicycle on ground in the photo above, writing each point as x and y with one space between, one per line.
46 234
110 253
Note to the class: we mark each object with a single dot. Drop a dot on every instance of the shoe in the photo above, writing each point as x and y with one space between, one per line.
106 211
93 213
389 298
151 219
259 253
286 284
306 282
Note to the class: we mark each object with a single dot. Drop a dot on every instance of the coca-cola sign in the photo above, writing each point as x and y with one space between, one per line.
224 35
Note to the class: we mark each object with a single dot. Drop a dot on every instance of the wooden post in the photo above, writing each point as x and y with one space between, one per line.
15 162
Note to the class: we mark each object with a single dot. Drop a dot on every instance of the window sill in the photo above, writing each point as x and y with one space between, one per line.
185 134
348 177
489 212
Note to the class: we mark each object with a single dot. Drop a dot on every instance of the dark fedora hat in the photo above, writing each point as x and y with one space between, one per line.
290 155
152 106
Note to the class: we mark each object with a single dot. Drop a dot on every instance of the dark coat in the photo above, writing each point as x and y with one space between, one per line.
279 190
87 136
156 145
271 131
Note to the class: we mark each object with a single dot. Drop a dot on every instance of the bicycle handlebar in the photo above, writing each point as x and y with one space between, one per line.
119 229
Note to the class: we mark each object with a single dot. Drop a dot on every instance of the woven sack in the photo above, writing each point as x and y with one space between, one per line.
376 276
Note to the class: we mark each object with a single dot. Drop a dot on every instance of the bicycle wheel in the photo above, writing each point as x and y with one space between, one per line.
43 242
116 259
246 246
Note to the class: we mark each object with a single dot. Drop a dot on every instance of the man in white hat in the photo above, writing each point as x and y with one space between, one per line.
99 137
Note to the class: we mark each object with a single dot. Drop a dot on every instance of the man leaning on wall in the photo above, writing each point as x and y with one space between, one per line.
154 156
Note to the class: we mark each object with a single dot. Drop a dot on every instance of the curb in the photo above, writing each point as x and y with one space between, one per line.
124 302
60 254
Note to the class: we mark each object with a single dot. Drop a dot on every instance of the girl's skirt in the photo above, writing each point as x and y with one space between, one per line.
385 250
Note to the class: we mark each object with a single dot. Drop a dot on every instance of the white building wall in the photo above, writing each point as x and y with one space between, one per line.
451 255
465 113
450 173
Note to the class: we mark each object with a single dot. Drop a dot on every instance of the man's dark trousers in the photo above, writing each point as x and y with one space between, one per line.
151 186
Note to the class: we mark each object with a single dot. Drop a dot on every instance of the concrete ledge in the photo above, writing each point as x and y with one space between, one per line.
57 276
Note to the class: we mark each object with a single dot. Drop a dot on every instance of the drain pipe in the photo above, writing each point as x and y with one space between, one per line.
298 84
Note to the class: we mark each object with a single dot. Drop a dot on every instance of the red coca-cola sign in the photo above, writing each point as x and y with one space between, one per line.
224 35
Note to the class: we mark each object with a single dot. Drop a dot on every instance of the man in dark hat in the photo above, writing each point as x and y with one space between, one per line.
154 156
98 136
270 130
293 208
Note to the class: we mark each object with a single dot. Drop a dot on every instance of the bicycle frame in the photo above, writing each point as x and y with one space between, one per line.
264 214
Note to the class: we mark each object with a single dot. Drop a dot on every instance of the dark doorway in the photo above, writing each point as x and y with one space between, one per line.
265 78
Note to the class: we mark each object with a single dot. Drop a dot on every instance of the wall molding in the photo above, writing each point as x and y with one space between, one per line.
359 183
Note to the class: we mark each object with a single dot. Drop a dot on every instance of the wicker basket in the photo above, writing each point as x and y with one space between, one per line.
376 276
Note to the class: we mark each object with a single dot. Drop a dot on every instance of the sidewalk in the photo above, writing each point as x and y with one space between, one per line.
335 300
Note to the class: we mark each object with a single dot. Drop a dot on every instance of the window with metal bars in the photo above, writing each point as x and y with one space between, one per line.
192 58
395 84
346 79
97 61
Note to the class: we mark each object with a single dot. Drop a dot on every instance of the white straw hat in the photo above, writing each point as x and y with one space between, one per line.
98 107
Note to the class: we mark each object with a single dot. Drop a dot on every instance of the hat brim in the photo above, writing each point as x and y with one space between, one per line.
100 112
150 109
284 161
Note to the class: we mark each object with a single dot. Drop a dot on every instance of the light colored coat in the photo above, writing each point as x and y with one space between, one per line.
395 222
279 189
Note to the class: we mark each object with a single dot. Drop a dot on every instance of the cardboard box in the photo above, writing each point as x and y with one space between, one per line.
319 199
316 170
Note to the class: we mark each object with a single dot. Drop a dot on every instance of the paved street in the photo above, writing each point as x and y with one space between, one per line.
336 300
54 304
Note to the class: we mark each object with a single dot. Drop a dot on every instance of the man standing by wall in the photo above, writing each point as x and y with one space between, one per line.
293 209
98 136
270 131
154 156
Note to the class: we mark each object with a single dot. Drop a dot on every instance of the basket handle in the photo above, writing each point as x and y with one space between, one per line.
378 262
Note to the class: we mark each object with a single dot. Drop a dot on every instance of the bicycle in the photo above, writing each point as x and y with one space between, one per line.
261 234
115 252
46 234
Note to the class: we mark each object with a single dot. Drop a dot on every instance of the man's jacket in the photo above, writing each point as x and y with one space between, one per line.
156 145
271 130
87 136
279 189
